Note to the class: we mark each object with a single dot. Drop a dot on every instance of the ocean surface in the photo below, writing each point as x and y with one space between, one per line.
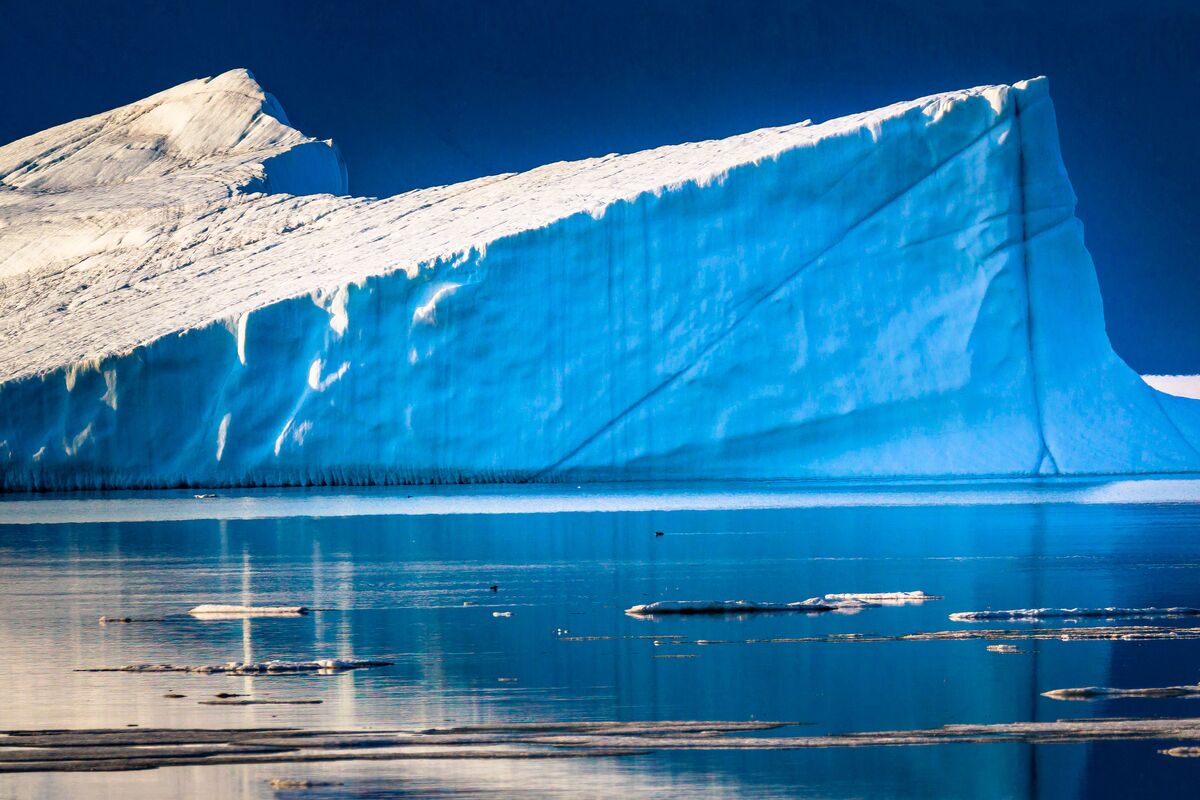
406 574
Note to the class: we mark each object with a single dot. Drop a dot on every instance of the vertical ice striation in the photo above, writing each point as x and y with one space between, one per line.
898 293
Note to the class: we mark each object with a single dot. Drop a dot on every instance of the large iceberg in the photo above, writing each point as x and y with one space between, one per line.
186 298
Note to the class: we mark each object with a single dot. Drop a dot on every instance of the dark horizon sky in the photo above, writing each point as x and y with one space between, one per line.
423 93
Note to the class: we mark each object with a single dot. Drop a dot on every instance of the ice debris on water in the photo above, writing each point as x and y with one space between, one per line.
84 750
149 748
254 668
1108 633
1068 613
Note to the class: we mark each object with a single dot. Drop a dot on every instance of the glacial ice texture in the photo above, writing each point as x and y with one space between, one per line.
185 300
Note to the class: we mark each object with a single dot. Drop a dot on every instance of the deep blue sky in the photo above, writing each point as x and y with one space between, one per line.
421 93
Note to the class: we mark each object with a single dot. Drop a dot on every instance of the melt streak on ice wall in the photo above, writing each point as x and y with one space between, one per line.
184 299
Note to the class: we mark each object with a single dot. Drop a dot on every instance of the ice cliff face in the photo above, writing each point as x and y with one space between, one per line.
185 300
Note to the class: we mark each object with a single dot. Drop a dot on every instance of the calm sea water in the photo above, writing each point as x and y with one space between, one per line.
392 582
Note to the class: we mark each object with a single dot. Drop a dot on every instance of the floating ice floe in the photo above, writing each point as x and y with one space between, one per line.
1067 613
811 605
250 702
212 611
1096 692
253 668
1182 752
1107 633
722 607
845 603
886 598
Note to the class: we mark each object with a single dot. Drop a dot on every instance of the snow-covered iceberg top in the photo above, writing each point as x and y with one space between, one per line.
153 269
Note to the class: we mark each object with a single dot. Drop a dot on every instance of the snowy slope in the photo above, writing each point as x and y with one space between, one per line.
184 300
